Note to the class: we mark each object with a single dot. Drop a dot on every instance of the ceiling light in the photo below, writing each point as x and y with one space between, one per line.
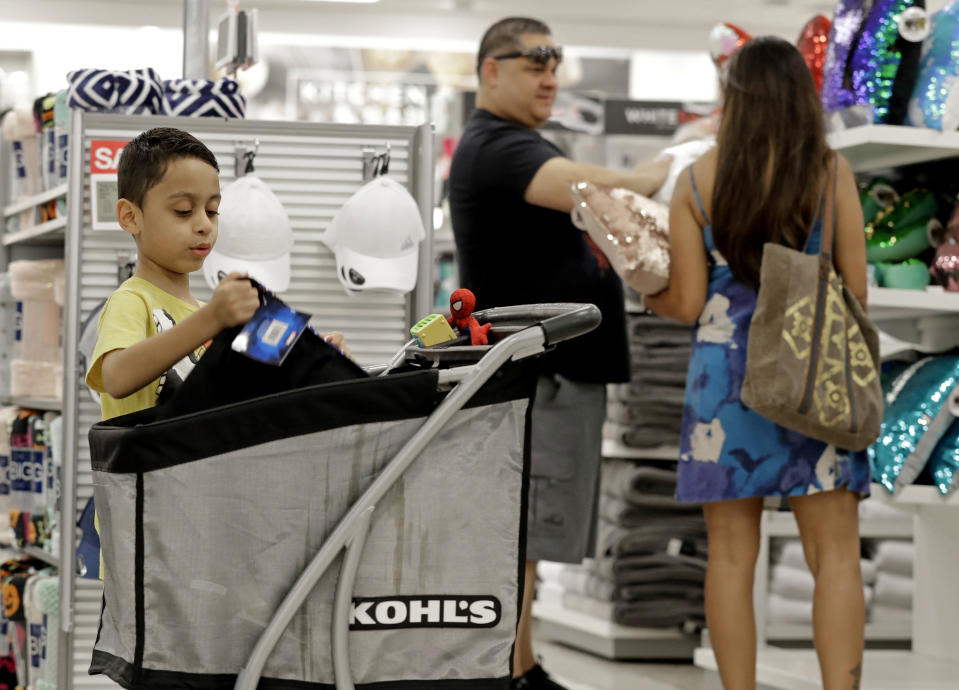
365 2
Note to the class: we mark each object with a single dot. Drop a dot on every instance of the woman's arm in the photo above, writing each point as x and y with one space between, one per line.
684 298
850 251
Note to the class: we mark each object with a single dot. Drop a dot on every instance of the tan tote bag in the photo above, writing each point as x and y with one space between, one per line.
813 353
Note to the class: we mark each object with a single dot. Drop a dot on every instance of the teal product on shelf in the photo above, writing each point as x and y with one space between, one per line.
899 232
878 195
911 274
944 461
916 416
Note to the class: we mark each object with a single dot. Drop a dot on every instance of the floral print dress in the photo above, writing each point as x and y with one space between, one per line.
726 449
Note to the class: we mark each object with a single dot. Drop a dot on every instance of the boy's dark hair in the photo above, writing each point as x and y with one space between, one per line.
503 37
144 160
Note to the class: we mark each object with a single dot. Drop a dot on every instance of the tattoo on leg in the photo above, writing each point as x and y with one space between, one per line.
856 676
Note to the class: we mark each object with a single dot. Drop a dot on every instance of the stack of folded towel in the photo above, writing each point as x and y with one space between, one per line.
791 584
650 566
894 583
647 412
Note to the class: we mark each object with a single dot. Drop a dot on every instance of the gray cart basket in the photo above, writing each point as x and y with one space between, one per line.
219 528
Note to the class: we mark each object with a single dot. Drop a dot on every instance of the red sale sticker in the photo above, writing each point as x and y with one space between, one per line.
105 156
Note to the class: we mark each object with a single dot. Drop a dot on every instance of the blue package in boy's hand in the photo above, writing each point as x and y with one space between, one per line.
272 332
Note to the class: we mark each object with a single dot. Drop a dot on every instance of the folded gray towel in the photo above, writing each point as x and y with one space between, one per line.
653 537
644 415
662 613
691 592
659 567
646 436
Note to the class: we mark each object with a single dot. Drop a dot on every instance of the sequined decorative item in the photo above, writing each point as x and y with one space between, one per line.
945 266
930 105
813 43
843 35
899 232
724 41
872 63
916 417
944 461
631 230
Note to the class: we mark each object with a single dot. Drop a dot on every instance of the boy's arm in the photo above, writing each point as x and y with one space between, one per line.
127 370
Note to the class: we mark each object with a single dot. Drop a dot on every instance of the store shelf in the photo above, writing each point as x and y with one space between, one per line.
875 147
890 303
33 201
41 555
50 232
875 632
35 403
609 639
882 670
784 525
914 495
612 449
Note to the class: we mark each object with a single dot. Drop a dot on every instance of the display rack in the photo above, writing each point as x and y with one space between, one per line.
933 661
313 169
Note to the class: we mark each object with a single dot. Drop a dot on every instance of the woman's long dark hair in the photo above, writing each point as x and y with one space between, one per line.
773 156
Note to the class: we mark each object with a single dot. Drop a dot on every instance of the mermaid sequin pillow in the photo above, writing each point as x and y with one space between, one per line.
631 230
916 417
873 57
935 100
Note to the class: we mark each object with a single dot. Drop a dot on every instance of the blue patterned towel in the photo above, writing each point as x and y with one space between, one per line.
202 98
137 92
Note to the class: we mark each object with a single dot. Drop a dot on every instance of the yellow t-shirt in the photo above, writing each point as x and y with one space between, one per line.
136 311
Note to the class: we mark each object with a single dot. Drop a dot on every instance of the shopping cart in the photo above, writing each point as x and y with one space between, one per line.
220 527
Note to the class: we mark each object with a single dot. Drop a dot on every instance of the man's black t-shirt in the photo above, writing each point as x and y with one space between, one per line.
513 252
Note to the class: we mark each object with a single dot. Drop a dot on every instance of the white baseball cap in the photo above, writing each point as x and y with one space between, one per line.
375 237
255 236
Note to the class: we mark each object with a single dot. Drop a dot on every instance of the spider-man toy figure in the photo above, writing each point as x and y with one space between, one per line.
462 304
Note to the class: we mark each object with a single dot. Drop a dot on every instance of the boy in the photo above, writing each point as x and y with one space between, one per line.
152 330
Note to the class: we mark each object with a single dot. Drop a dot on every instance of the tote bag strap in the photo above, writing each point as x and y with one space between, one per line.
828 240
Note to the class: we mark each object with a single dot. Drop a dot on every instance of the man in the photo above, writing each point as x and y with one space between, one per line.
510 203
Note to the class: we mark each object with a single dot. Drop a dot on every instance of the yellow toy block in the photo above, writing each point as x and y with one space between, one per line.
432 330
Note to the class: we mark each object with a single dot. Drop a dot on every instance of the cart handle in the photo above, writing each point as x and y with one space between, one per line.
559 321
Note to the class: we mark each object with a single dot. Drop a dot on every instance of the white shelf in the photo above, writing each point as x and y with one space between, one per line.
914 496
34 201
794 669
610 639
44 233
40 554
49 405
875 632
875 147
784 525
612 449
443 244
889 302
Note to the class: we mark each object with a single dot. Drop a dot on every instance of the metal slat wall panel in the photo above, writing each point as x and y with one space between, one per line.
313 169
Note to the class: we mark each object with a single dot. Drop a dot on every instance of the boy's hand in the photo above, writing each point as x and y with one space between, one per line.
234 301
336 340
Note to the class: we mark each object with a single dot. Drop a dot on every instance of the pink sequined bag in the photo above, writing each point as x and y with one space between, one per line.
631 230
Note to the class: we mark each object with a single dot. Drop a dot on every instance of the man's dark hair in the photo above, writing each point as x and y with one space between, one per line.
503 37
144 160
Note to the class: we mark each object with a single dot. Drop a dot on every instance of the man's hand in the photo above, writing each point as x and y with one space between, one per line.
652 174
234 301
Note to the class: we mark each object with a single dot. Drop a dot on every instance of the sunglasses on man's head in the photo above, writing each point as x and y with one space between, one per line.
541 55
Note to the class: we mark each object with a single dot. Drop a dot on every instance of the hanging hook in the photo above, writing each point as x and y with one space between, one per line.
243 157
375 164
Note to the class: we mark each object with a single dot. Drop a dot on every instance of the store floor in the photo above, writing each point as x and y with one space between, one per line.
581 671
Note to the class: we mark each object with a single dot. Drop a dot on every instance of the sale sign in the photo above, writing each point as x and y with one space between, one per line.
104 162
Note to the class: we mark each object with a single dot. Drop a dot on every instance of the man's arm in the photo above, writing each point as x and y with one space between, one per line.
127 370
550 185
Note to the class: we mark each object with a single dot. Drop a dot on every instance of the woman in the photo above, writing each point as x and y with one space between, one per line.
766 181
